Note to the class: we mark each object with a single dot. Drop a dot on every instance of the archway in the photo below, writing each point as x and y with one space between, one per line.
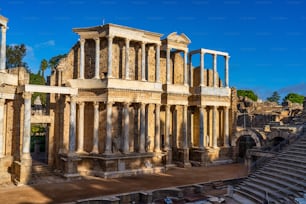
276 141
244 143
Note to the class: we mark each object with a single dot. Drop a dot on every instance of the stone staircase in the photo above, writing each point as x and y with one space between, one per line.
280 180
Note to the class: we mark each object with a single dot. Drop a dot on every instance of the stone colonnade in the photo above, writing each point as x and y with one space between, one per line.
3 47
127 58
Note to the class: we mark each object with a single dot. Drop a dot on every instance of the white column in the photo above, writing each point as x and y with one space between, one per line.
2 137
82 58
202 69
157 129
143 61
185 138
202 125
185 69
26 126
214 127
109 57
226 126
126 129
72 125
97 64
95 142
190 70
215 80
157 64
167 127
168 66
81 128
142 139
226 71
127 58
108 141
3 48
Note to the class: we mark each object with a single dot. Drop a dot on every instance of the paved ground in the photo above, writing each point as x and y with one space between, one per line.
92 187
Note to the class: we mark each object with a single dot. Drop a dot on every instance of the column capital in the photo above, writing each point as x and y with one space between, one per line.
96 103
144 42
110 37
82 40
80 102
2 101
97 39
202 53
3 29
127 40
27 95
73 98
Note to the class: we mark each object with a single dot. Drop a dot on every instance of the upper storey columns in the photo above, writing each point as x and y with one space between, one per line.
3 48
168 58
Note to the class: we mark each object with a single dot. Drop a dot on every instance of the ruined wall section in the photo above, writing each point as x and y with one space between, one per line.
208 77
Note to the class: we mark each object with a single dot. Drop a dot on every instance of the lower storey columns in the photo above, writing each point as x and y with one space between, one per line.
226 127
81 128
214 127
126 138
2 141
72 125
27 126
203 138
142 139
167 128
157 129
95 148
108 141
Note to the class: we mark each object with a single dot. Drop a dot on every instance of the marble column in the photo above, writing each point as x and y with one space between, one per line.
202 69
185 137
126 133
226 71
108 140
97 62
95 142
214 127
157 64
168 66
82 58
142 139
72 125
167 127
110 56
202 128
190 70
127 58
226 126
215 80
143 61
26 126
2 137
80 148
157 129
185 69
3 48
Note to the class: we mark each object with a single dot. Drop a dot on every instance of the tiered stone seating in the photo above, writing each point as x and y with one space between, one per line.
280 180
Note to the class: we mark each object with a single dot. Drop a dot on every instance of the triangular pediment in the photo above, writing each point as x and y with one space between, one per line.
182 38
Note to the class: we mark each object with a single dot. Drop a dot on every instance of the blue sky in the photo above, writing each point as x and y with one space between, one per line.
266 39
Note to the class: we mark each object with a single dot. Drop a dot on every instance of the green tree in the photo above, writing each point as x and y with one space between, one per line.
294 98
43 66
247 93
15 55
274 98
53 62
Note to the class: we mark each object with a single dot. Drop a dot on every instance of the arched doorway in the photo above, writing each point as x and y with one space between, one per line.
244 143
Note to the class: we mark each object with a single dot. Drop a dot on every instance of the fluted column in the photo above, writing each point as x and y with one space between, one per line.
168 66
110 56
214 127
81 127
157 64
82 58
226 71
26 125
226 126
190 70
143 61
72 125
157 129
185 137
3 48
108 141
202 126
142 139
126 129
95 142
127 58
215 80
97 61
185 69
202 69
167 127
2 138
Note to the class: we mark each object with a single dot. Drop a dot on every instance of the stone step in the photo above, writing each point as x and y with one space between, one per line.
293 160
300 149
258 194
293 153
295 156
284 190
273 195
284 172
291 164
244 198
288 168
42 169
280 182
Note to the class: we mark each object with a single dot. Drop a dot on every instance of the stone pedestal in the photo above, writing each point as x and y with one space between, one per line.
168 158
183 158
199 155
23 170
5 164
70 168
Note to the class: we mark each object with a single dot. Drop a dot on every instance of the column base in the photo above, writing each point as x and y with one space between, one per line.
168 158
23 170
183 158
70 166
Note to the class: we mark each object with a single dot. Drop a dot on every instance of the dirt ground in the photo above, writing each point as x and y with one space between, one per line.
87 187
